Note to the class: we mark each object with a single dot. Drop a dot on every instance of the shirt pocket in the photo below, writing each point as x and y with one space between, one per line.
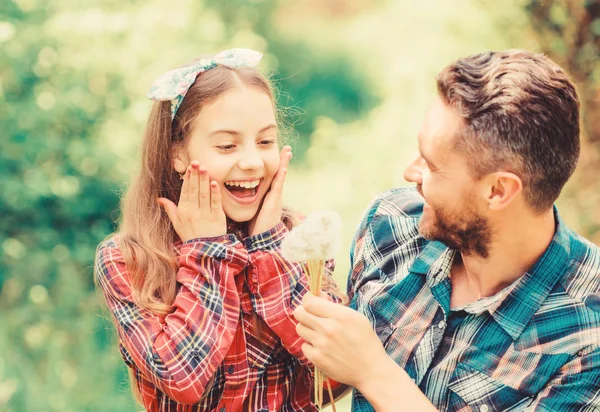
517 377
483 393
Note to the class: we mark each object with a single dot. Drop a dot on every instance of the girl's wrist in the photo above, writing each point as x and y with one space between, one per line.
224 238
267 240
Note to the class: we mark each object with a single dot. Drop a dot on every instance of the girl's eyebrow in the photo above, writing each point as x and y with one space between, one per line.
236 133
264 129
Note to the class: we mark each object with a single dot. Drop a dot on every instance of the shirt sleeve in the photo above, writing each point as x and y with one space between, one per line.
277 287
390 221
358 250
575 388
181 351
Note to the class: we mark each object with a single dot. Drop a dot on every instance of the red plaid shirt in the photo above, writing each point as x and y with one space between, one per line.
207 355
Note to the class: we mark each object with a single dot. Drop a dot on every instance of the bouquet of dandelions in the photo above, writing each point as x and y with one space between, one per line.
312 243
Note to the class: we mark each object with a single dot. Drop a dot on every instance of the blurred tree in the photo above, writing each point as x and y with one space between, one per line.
56 196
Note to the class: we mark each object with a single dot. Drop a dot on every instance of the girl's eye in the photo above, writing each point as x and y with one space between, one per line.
267 142
226 147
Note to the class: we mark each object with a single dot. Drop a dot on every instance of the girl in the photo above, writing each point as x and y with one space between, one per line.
194 279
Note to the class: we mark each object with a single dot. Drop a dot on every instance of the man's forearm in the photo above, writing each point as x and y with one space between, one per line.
390 387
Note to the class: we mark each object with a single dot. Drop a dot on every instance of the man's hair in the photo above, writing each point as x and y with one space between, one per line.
521 115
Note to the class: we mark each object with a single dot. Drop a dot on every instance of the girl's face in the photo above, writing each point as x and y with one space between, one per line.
235 139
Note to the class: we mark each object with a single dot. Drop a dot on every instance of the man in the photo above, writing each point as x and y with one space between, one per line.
479 296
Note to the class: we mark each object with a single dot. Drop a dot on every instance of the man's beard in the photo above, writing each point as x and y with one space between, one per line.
468 232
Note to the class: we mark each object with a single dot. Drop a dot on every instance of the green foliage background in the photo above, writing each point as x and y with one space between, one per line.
356 77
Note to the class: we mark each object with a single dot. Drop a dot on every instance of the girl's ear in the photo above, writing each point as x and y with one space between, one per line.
179 159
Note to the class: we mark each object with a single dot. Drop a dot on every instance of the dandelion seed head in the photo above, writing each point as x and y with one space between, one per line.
317 238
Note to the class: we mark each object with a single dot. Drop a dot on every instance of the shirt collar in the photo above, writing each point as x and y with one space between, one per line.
435 261
514 311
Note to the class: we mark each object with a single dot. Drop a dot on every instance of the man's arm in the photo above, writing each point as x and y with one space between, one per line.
341 342
575 388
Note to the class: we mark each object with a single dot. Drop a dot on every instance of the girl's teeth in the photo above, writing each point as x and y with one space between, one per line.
247 185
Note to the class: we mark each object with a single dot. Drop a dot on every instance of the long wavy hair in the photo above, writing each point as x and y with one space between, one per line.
145 234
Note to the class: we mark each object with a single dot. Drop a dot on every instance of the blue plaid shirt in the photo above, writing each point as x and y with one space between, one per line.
533 346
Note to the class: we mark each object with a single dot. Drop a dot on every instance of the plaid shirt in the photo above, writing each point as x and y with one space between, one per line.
533 346
207 354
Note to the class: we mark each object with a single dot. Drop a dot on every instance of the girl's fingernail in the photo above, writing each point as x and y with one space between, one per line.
195 165
202 170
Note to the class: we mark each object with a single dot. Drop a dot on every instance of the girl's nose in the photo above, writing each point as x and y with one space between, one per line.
250 159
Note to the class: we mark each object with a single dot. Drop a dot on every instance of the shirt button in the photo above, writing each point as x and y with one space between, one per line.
483 408
230 370
222 410
196 353
442 324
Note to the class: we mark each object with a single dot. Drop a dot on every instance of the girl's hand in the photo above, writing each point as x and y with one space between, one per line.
269 214
199 212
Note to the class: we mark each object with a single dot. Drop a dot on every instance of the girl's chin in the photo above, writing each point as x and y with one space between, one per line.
240 216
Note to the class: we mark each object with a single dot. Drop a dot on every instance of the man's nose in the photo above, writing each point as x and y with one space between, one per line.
412 172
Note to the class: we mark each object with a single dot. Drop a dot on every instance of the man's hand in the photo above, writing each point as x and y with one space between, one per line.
339 341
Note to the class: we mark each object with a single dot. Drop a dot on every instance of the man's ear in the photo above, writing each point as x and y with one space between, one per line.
502 188
180 159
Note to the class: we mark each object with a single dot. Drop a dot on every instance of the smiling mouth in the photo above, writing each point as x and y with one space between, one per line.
243 191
